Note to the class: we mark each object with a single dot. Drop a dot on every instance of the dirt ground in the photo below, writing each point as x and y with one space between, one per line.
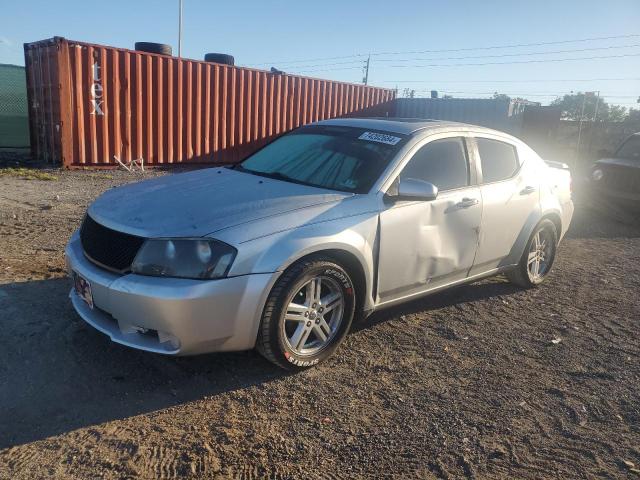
484 381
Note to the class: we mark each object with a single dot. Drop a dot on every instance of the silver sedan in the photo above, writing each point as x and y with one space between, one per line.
332 221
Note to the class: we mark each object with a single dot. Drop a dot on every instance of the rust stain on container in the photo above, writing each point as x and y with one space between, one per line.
91 103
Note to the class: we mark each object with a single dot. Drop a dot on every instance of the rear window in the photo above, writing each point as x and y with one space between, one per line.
498 159
338 158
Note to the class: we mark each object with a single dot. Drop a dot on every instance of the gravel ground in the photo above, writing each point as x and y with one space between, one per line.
484 381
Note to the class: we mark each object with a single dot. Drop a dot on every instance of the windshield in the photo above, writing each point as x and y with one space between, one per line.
630 149
337 158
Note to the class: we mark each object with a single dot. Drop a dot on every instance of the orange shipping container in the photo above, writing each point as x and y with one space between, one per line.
90 104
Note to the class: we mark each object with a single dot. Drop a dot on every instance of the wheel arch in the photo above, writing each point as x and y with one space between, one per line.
523 238
353 266
555 218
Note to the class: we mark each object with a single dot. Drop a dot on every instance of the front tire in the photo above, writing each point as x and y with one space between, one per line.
307 315
538 256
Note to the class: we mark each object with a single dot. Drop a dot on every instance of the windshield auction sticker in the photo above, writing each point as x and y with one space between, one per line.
380 138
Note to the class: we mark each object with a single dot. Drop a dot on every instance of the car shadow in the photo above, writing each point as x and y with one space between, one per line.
58 374
482 290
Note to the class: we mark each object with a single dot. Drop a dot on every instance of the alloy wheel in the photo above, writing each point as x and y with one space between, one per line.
313 315
540 255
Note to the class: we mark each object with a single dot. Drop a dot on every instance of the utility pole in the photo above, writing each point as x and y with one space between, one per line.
179 28
365 80
595 119
595 115
584 101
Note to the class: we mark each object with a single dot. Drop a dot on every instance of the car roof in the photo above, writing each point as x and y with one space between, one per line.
404 126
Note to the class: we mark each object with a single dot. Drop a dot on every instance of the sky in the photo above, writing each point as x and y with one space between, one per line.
419 45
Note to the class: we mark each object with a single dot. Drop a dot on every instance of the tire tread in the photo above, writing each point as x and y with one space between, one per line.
264 344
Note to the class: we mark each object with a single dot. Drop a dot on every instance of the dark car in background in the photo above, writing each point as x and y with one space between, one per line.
617 177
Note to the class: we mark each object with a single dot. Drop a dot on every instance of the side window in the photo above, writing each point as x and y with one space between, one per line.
441 162
498 159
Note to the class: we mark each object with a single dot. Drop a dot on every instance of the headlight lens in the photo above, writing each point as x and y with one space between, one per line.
597 174
184 258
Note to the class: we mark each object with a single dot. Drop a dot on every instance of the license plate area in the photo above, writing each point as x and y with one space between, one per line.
83 288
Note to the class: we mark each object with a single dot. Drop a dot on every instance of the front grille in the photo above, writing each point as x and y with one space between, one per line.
108 248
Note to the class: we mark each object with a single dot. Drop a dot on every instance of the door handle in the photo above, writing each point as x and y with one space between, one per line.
467 202
527 190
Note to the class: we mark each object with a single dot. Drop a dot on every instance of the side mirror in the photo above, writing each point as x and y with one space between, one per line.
414 189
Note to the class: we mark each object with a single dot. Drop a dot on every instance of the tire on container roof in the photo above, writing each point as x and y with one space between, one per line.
219 58
151 47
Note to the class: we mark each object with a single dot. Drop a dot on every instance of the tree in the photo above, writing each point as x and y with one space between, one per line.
408 93
504 96
572 108
501 96
633 115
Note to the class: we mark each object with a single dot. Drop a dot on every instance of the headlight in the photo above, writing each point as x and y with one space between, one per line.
597 175
184 258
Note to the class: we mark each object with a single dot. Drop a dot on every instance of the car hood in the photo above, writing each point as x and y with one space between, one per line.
201 202
619 162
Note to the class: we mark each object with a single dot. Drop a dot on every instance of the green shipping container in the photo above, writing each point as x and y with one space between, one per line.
14 119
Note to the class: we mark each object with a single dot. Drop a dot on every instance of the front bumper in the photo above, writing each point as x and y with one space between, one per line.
171 315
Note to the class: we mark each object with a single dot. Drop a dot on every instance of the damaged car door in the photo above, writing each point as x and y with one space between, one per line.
428 243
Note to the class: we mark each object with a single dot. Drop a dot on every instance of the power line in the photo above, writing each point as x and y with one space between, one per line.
351 62
281 63
551 52
422 93
430 65
540 94
515 81
520 61
559 42
610 94
521 95
492 47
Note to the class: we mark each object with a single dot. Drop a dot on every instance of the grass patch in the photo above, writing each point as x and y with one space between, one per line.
27 174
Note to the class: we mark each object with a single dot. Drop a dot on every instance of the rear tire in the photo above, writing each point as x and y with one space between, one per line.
538 256
307 315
